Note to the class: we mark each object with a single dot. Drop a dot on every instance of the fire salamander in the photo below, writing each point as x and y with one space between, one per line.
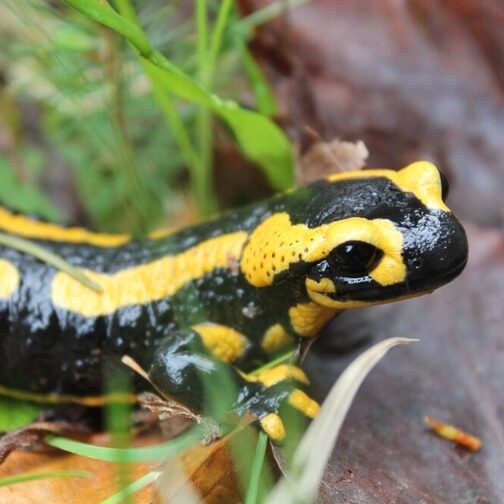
227 295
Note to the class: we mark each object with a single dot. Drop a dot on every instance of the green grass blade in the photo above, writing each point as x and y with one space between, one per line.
118 421
265 101
134 487
158 452
257 464
202 27
217 34
24 478
29 247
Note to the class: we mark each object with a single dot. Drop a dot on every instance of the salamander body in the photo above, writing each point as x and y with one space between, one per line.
228 294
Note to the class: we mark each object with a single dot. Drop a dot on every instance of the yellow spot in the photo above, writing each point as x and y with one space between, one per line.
323 285
300 401
275 338
421 178
223 342
308 319
273 426
157 234
9 278
276 244
29 228
148 282
270 377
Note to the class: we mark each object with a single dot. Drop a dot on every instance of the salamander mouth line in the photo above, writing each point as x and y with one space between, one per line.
403 290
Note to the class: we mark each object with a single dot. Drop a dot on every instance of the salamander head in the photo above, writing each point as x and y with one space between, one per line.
361 238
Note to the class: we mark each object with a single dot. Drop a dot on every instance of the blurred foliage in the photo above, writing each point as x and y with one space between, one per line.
75 95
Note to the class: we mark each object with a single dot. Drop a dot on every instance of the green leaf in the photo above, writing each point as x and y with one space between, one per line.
23 478
158 452
15 413
261 140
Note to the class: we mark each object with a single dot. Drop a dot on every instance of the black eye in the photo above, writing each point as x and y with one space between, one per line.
445 187
355 258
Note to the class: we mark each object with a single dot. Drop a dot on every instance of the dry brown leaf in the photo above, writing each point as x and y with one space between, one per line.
324 158
103 484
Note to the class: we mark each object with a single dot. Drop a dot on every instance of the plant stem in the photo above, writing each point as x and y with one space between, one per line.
275 362
202 177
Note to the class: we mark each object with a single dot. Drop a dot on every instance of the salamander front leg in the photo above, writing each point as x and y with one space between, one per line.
186 369
193 363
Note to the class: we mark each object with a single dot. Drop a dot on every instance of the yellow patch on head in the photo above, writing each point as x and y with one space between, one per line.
307 319
9 278
29 228
276 244
273 426
272 376
420 178
300 401
272 247
275 338
423 180
223 342
148 282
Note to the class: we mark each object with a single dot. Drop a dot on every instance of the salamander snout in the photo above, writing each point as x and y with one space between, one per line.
435 251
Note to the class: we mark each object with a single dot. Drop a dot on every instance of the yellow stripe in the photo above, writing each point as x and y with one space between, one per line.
421 178
9 278
92 401
148 282
29 228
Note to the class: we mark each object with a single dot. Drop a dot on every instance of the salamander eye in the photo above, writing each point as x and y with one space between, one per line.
445 187
355 258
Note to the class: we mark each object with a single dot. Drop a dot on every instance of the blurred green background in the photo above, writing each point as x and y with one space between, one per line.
91 132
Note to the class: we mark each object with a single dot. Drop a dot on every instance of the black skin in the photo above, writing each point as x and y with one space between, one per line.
46 349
